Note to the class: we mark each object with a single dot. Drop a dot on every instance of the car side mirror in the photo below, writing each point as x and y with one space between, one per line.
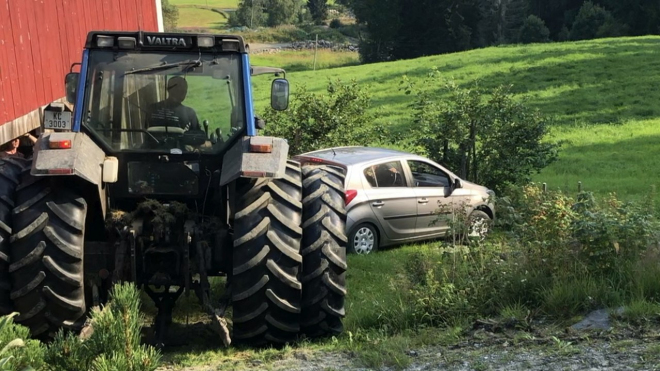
71 84
279 94
458 183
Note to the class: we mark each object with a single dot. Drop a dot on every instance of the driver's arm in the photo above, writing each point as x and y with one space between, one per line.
193 120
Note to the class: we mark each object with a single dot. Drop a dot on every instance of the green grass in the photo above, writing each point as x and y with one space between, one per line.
223 4
303 60
602 96
199 18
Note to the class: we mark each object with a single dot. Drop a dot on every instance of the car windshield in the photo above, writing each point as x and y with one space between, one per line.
156 102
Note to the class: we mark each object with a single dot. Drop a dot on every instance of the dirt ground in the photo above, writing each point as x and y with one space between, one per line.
622 348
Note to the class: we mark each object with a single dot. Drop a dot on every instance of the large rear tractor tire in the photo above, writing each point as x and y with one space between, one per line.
323 251
266 292
10 172
47 256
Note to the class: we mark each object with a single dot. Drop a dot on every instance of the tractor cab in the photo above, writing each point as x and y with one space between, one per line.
166 105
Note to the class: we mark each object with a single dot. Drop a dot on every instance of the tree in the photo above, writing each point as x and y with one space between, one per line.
588 21
318 9
339 118
250 13
282 12
488 137
170 15
533 31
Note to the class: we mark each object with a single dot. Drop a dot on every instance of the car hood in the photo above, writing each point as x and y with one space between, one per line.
474 186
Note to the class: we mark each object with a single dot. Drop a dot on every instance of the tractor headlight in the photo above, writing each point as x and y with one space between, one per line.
105 41
205 42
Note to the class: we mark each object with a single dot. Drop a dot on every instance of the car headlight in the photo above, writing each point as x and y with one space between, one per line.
491 193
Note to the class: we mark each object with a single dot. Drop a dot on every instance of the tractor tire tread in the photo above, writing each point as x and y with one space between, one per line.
324 251
47 249
266 291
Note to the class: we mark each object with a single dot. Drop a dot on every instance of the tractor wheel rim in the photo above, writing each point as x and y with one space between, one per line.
364 241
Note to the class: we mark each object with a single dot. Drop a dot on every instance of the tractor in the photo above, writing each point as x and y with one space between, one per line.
154 174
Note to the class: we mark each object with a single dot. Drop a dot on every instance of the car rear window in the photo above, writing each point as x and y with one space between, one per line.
389 174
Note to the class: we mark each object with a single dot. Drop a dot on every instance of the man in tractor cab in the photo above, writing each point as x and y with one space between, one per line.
171 112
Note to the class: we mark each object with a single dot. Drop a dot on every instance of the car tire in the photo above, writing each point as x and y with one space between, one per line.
324 251
363 239
47 250
266 290
479 226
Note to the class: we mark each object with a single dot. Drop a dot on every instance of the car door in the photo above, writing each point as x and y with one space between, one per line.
392 200
434 204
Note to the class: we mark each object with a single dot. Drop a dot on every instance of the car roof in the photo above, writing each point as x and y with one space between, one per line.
355 155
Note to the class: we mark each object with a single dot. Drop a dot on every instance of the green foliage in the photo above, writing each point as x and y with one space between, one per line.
250 13
588 22
318 10
170 15
534 30
336 23
492 140
282 12
114 344
315 121
18 352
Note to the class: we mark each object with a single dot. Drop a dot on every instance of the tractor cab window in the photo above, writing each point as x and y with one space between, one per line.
175 103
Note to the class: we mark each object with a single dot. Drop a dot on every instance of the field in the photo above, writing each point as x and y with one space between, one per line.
222 4
204 14
600 94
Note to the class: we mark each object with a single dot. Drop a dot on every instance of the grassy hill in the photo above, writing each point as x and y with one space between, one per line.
602 94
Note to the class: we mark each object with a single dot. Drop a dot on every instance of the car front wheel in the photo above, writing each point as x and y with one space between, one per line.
363 240
479 226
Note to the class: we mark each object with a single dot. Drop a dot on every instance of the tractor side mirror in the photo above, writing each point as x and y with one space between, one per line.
279 94
71 84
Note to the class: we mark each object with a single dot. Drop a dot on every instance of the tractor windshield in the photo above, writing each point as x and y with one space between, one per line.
157 102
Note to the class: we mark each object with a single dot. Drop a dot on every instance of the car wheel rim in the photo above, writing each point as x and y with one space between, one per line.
479 228
364 241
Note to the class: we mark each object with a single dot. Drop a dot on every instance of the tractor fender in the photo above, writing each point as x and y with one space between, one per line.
255 157
78 157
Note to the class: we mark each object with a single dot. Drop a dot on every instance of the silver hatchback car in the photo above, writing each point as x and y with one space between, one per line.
394 197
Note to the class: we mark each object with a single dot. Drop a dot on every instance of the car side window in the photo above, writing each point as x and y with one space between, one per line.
389 174
427 175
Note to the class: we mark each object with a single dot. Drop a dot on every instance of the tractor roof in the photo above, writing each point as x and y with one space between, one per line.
168 42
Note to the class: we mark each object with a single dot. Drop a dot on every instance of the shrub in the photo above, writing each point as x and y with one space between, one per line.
486 137
533 30
590 19
114 343
314 121
170 15
19 352
336 23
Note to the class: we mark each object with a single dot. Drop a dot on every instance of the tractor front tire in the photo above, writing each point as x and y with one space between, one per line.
324 251
10 172
266 259
47 256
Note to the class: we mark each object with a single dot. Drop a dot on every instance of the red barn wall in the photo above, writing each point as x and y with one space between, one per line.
40 39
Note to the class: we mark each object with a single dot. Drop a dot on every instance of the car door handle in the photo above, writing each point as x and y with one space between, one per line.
378 203
422 201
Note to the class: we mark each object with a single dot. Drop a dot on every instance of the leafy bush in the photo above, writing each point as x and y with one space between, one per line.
314 121
170 15
336 23
114 343
558 257
250 13
486 137
19 352
589 20
534 30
